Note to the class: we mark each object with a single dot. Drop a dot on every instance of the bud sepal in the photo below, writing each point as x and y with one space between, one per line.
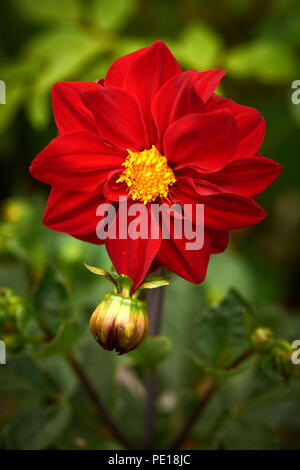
121 322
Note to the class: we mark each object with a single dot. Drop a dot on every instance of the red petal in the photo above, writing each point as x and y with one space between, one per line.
226 211
251 125
113 190
189 264
208 82
183 94
175 99
69 111
132 257
204 186
77 161
118 116
73 212
218 241
147 74
155 265
246 176
207 141
119 68
222 211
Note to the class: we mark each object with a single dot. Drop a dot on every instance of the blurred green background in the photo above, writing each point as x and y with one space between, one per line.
41 402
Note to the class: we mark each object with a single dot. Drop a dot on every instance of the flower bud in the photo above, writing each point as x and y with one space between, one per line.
13 318
120 322
282 358
262 336
283 362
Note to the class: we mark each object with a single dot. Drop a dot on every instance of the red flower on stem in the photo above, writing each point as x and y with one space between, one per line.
150 132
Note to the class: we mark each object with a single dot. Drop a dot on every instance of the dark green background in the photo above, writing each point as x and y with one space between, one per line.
257 43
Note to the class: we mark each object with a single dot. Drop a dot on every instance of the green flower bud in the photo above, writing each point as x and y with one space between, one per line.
120 322
282 358
262 336
13 319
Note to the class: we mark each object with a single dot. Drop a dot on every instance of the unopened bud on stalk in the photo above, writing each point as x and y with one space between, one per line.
120 322
277 352
262 336
13 318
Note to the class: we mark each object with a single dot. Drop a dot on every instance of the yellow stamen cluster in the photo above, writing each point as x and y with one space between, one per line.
147 175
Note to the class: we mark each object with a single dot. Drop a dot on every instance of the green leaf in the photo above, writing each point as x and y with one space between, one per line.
101 272
67 335
111 15
61 54
265 60
241 434
49 10
225 271
60 375
216 373
39 428
18 75
198 46
23 376
184 304
223 332
153 281
52 301
38 111
151 353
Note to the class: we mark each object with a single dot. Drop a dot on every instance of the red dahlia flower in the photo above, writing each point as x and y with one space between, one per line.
150 132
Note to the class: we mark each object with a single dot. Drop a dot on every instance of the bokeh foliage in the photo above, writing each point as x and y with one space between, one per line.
205 327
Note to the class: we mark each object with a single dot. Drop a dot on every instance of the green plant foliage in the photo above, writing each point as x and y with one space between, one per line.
42 427
111 15
198 46
223 332
207 332
265 60
52 301
49 10
151 353
67 335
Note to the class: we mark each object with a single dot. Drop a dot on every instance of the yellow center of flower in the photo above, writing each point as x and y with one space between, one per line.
147 175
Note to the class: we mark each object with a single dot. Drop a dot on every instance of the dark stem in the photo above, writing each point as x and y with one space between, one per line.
97 402
155 298
209 388
155 303
241 358
90 391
